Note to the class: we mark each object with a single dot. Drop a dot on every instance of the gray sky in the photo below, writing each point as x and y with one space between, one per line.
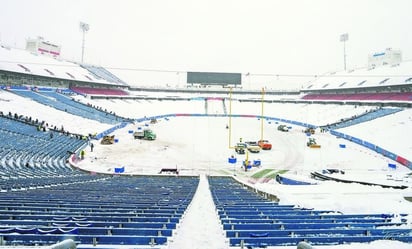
273 36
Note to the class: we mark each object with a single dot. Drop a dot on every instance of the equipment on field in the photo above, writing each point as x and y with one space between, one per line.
312 143
240 148
253 147
264 144
146 134
107 140
310 130
283 128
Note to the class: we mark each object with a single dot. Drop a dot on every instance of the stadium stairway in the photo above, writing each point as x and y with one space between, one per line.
206 107
224 106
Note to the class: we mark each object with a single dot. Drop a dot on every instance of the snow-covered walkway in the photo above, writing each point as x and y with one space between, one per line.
203 233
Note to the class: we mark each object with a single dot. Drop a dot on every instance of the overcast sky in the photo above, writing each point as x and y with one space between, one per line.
273 36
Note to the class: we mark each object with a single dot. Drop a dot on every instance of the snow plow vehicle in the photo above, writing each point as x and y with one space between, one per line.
253 147
312 143
240 148
283 128
146 134
264 144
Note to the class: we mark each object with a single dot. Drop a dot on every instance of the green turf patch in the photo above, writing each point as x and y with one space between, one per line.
261 173
408 198
225 172
272 176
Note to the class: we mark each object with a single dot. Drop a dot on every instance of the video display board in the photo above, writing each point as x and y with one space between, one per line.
210 78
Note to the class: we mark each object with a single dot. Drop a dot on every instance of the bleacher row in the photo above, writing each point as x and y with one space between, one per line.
252 221
103 73
371 115
106 211
25 149
98 91
63 103
395 96
43 201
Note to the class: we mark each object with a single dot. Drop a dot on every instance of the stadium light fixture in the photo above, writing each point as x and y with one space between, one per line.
344 38
84 28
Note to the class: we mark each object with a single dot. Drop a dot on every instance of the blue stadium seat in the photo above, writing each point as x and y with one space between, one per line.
252 221
145 214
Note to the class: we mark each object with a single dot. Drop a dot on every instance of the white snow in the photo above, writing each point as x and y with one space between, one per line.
392 74
201 146
23 61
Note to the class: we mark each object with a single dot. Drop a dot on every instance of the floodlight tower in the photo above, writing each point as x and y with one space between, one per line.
84 28
344 38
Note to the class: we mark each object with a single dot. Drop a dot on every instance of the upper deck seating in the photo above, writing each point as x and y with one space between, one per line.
103 73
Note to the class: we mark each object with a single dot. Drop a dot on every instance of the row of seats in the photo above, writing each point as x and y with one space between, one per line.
99 91
25 145
38 180
402 96
251 220
31 158
103 73
66 104
101 210
92 113
367 116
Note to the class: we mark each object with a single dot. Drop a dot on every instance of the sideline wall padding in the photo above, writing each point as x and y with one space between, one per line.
375 148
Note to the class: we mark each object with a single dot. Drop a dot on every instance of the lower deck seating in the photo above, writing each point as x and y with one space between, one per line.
251 220
63 103
29 152
103 210
50 239
99 91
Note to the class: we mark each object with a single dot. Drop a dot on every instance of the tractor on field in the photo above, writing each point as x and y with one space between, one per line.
312 143
107 140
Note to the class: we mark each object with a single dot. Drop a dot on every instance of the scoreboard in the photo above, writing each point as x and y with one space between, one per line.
210 78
